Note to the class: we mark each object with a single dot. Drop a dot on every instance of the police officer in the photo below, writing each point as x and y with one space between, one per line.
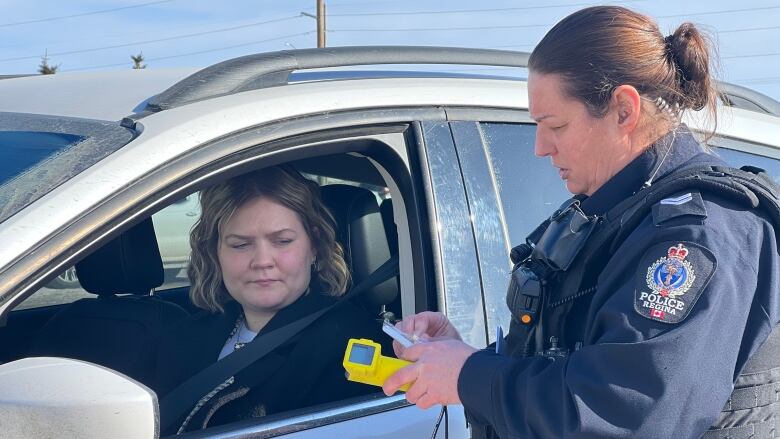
642 307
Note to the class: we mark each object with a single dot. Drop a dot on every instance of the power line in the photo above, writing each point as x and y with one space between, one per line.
138 43
461 11
425 29
760 81
103 11
362 3
465 28
757 55
522 26
727 11
748 29
180 27
182 55
364 14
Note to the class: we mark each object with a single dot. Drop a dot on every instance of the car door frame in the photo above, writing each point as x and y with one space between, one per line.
487 215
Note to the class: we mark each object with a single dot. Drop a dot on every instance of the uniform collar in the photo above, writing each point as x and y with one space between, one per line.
681 147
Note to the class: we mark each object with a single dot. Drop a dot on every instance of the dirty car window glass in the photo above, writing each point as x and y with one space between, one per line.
40 152
740 158
20 150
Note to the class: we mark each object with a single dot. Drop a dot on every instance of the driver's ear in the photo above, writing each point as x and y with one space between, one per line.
628 104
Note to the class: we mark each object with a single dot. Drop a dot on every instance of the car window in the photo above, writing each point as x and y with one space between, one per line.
20 150
38 153
740 158
510 191
172 228
528 186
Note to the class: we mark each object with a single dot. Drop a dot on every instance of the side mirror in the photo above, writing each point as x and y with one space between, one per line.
59 397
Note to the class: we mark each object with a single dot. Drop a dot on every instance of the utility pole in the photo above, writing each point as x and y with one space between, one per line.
320 23
320 17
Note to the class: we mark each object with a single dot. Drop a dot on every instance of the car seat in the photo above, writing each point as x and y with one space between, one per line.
361 232
120 327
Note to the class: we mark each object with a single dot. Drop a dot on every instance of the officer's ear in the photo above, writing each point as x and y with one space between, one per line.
627 105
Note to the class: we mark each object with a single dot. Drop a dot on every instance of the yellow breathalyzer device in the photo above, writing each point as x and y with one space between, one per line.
365 363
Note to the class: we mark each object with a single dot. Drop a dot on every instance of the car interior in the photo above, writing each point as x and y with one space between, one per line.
128 305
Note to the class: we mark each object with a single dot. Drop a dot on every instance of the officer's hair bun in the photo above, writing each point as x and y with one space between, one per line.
688 50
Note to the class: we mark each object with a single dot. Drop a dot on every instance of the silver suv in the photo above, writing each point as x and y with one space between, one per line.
89 158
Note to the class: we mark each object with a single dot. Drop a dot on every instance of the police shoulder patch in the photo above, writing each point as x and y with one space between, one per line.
673 275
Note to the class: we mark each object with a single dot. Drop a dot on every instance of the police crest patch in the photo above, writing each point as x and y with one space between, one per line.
675 277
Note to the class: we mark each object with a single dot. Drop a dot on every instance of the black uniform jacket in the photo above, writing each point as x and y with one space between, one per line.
305 371
650 364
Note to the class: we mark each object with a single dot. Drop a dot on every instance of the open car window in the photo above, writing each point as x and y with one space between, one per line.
172 224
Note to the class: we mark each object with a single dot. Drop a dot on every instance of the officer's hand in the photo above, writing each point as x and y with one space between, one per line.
434 375
425 326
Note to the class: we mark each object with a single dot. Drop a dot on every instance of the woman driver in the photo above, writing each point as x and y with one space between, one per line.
264 254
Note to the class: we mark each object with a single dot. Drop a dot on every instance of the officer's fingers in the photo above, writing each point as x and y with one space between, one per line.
398 349
413 352
420 325
411 324
426 401
415 392
394 382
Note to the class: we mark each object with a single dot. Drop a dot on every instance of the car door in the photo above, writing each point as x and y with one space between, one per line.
509 190
437 272
422 174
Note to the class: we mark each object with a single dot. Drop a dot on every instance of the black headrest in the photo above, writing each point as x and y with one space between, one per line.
361 231
130 264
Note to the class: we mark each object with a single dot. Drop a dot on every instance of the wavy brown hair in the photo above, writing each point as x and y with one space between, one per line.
287 187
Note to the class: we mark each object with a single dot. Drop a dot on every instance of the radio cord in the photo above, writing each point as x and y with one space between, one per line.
442 414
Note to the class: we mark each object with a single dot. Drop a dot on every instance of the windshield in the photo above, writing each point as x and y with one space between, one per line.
38 153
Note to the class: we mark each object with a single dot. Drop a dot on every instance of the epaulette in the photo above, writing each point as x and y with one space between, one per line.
682 208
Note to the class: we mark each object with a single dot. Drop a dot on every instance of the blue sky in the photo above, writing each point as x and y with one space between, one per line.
102 34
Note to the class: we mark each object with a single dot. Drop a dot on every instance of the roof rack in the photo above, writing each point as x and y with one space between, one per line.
265 70
742 97
272 69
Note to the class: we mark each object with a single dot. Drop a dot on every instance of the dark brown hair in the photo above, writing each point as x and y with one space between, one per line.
287 187
600 48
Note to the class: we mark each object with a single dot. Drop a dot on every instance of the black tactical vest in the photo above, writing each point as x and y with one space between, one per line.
556 269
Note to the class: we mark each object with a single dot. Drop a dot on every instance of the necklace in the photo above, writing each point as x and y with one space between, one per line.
240 329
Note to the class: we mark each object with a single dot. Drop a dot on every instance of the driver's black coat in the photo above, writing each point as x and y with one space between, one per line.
305 371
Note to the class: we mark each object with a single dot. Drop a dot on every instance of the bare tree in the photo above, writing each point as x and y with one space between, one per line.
138 61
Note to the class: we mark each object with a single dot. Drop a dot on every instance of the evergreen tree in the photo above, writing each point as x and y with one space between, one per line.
138 61
45 68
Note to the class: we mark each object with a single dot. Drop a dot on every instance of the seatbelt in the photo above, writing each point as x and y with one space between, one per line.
179 401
